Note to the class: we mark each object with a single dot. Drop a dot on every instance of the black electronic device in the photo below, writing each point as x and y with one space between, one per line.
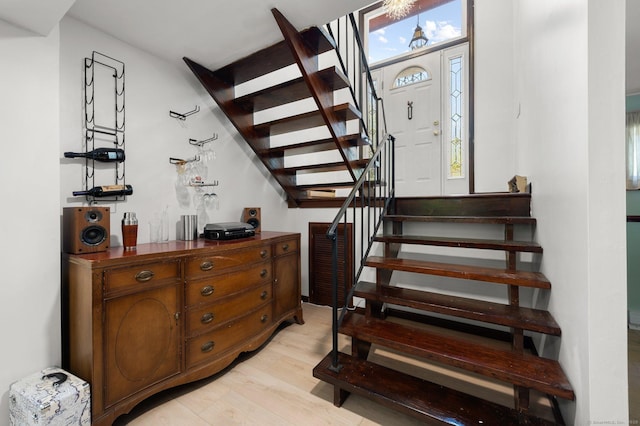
228 231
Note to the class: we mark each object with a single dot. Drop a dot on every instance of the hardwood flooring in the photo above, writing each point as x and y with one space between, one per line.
275 386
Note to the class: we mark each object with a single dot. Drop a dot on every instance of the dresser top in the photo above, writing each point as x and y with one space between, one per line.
172 249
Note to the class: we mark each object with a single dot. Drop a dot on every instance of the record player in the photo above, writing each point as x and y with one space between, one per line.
228 231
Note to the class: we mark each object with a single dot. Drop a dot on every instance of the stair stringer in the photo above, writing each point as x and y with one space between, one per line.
321 92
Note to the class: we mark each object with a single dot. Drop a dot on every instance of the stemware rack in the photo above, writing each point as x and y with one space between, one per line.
98 70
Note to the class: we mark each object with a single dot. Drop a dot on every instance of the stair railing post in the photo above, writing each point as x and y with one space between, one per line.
335 366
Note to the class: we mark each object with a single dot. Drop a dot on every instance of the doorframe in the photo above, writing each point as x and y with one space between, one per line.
471 40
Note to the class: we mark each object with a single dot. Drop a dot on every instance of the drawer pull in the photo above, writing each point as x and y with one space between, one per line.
264 295
207 347
206 291
144 276
285 247
207 318
263 273
206 265
264 318
263 254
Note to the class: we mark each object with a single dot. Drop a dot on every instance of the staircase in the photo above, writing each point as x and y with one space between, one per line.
378 324
355 155
339 147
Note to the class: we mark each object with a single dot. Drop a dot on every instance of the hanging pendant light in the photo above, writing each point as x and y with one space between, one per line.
419 39
397 9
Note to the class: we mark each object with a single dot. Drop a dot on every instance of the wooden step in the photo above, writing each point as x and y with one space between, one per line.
329 185
490 204
495 313
273 58
506 220
476 273
310 147
290 91
519 246
521 369
305 120
324 167
421 399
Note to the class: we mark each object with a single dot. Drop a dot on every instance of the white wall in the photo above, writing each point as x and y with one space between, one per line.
29 219
570 85
495 109
153 88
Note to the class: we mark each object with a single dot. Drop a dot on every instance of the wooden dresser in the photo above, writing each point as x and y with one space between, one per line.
137 322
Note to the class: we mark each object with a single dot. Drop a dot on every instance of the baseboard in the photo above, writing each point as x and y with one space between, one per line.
634 320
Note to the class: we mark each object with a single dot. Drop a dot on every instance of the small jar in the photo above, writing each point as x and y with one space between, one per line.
129 231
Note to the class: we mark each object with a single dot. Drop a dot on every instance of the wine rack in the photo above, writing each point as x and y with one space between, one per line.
104 121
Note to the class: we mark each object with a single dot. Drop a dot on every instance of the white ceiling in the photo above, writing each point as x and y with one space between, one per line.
216 32
212 32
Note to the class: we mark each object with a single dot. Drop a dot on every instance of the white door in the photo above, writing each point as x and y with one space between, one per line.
426 109
411 92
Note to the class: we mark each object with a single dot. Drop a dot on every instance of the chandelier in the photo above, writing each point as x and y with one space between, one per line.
397 9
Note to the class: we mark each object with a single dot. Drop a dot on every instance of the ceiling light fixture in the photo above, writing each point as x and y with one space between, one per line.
419 39
397 9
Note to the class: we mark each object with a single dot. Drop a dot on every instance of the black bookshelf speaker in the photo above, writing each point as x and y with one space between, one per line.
251 215
85 229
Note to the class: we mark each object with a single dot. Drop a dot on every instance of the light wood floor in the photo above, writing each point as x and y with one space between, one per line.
275 386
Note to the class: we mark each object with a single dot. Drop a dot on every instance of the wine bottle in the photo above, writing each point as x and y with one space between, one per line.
106 191
105 155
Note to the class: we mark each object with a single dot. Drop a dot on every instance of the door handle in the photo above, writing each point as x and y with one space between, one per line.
409 110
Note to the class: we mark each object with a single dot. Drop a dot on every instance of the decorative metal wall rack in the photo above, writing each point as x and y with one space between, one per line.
104 99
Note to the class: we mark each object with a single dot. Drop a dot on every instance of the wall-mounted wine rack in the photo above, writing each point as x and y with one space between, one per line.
104 121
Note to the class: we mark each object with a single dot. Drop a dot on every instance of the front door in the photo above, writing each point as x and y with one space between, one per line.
426 109
411 92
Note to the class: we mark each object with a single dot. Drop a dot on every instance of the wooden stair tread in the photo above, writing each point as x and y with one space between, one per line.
310 147
416 397
464 219
329 185
476 273
272 58
520 369
519 246
325 167
305 120
495 313
478 204
290 91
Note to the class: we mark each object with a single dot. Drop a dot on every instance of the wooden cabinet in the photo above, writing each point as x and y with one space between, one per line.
138 322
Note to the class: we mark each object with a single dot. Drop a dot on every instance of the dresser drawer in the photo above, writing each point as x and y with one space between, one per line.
203 266
211 289
201 319
140 274
285 247
209 345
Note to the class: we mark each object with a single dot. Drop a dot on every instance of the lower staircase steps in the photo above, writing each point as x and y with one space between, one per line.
304 121
503 245
536 320
416 397
325 167
476 273
500 220
290 91
272 58
521 369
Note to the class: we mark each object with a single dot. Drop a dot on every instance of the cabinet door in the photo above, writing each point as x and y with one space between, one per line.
286 285
142 341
